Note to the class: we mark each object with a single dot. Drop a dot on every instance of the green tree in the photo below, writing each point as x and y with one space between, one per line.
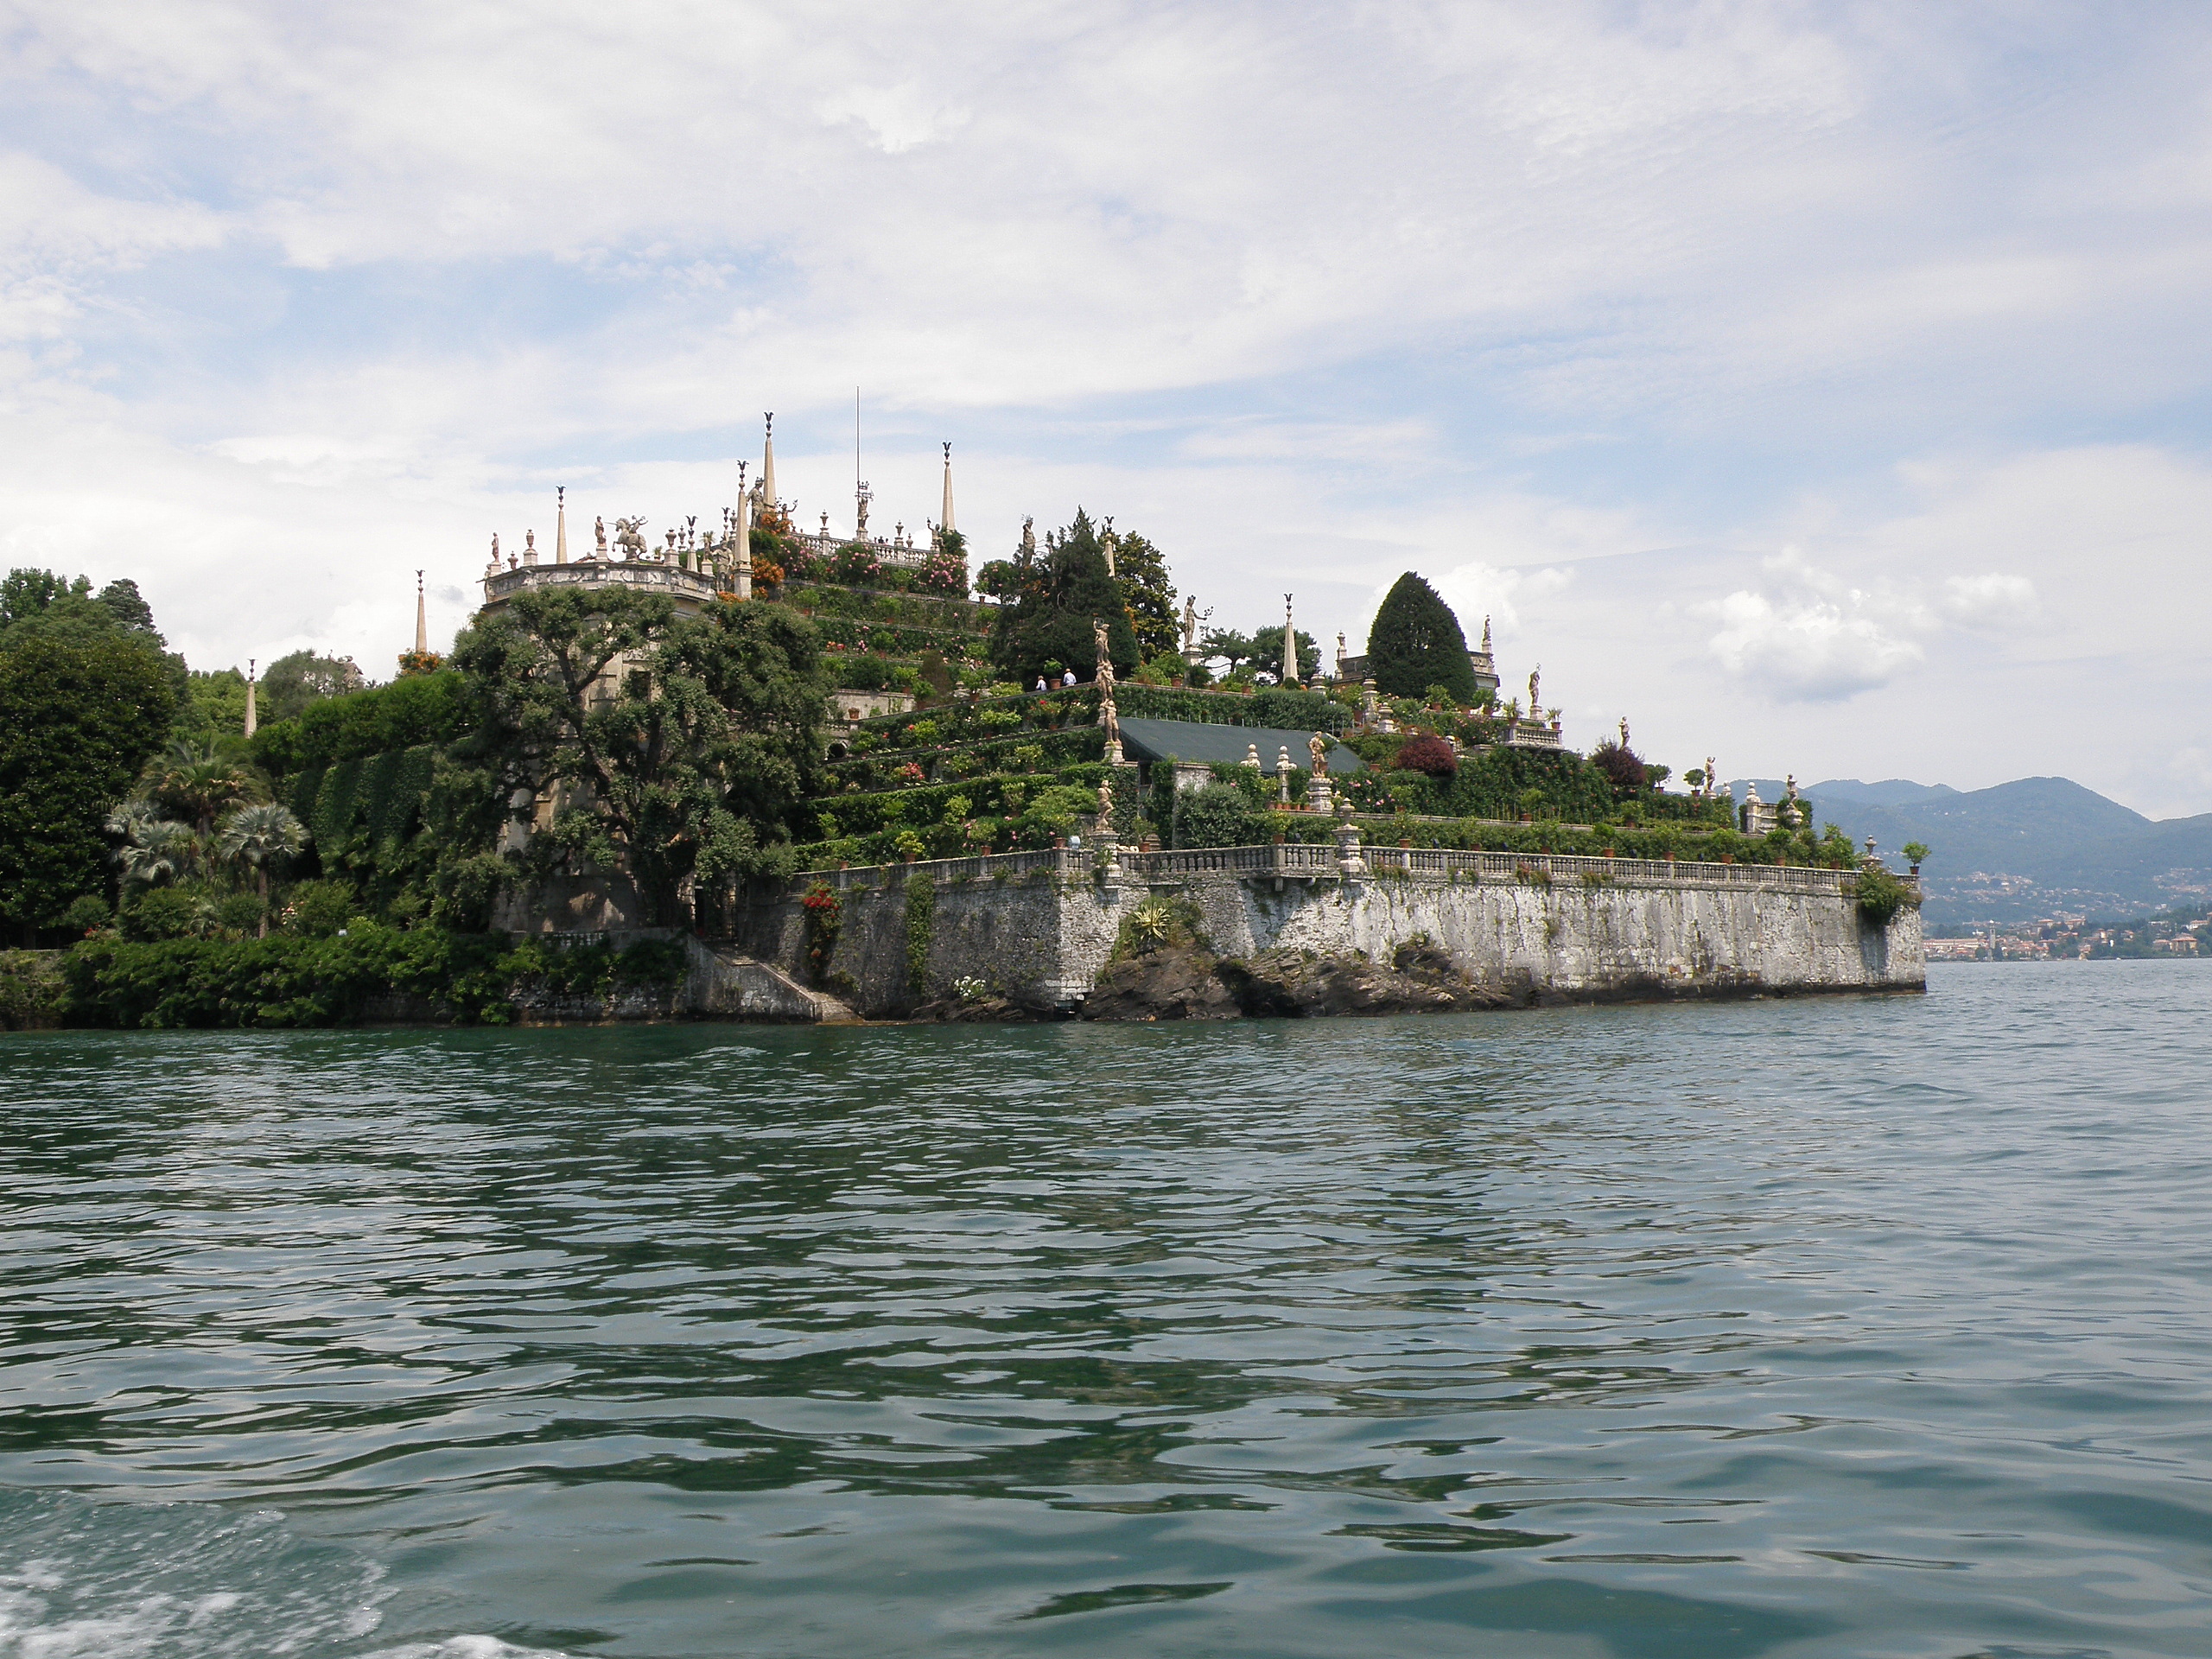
121 600
1266 653
79 718
1141 572
1238 648
1050 622
214 705
1218 815
294 682
670 747
1416 643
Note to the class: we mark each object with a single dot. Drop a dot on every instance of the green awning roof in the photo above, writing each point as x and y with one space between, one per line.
1185 740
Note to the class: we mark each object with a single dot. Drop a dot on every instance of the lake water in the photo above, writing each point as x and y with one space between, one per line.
1847 1326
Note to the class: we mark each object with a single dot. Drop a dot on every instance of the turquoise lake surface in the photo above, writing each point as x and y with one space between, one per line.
1864 1326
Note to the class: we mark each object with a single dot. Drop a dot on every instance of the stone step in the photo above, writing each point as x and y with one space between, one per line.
722 983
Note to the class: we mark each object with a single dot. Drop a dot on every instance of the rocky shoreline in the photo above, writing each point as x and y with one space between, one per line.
1184 981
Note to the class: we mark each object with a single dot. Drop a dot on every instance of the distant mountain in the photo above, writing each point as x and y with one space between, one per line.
2022 849
1894 792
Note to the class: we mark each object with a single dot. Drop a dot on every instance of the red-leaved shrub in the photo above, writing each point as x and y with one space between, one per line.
1430 754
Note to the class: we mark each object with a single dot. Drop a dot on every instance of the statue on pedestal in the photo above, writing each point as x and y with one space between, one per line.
1536 677
599 529
1109 717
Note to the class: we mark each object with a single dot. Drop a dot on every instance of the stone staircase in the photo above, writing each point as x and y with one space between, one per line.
722 983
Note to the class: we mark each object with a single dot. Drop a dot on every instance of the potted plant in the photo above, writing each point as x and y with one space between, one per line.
1914 852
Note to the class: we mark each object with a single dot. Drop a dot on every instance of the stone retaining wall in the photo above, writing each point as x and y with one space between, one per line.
1038 928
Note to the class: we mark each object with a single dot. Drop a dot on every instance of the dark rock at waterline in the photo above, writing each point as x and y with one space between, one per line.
1179 982
986 1011
1290 984
1184 982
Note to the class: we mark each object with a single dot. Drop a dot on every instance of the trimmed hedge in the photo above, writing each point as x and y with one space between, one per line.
956 721
880 770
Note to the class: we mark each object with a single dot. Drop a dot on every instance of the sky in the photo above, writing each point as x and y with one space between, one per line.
1822 387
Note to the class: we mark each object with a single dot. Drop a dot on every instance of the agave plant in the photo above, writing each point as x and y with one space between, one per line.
259 837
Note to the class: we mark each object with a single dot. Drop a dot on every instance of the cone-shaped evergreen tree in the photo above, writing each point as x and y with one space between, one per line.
1416 643
1051 622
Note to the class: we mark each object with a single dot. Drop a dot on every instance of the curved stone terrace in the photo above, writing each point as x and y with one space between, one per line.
1309 861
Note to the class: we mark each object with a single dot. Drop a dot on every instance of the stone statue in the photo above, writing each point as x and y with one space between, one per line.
1105 655
1189 623
1623 731
1105 804
1536 677
599 529
495 547
628 536
1317 746
1028 539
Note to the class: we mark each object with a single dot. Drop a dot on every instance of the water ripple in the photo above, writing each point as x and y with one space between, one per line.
1866 1326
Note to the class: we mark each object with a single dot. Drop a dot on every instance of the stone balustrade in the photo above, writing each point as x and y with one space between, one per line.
647 576
1311 861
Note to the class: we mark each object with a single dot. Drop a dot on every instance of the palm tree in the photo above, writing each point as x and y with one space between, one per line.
157 849
197 784
258 837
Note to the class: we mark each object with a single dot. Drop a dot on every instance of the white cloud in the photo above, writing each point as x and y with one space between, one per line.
1562 306
898 117
1992 600
1821 641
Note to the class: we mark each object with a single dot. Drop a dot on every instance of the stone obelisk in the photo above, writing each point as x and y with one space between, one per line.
1289 644
561 524
742 551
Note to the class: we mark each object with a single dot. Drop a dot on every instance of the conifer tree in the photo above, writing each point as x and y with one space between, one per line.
1050 621
1416 643
1141 573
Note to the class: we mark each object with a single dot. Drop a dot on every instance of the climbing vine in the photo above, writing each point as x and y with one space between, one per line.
921 924
825 920
1881 895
